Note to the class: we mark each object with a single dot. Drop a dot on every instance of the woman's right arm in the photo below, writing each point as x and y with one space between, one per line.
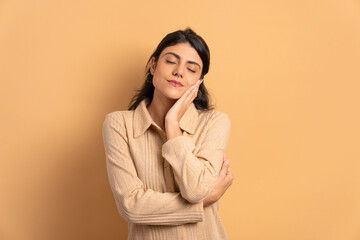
135 203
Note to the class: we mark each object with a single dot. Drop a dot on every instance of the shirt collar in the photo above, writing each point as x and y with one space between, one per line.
142 119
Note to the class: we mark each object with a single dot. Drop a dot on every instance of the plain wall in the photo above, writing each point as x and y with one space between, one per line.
286 72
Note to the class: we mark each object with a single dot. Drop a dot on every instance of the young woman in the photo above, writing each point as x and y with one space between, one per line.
165 155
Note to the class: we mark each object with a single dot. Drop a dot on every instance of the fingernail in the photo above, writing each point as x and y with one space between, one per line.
226 162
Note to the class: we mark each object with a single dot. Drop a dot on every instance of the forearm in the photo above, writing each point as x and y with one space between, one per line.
156 208
195 175
173 130
196 167
141 205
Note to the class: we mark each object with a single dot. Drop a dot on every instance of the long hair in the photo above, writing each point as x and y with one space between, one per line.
181 36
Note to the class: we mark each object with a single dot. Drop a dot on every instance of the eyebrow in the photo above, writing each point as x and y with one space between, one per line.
178 57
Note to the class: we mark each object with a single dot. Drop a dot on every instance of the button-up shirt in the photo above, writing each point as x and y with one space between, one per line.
158 184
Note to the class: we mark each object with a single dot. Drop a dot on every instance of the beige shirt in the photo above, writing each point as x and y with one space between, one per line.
159 185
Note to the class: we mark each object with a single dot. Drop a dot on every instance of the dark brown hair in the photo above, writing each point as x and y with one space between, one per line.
181 36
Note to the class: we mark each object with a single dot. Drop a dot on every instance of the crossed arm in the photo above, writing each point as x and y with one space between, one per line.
140 205
196 172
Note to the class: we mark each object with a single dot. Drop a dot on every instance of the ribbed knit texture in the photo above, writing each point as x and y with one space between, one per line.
159 185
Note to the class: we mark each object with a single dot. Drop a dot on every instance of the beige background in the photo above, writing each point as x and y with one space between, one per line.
287 73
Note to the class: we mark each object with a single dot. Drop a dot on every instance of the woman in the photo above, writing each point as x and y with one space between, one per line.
165 156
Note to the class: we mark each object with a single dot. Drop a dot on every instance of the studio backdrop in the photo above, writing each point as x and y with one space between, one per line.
286 72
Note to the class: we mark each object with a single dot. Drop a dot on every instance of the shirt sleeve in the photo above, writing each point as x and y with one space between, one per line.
135 203
196 172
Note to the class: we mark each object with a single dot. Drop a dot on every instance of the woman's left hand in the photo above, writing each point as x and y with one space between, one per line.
175 113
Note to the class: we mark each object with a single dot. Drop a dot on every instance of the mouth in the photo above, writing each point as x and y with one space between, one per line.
175 83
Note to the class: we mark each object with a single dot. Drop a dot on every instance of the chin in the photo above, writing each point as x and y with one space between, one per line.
174 94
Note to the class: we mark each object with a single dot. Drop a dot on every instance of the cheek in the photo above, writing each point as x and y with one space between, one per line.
158 81
194 80
159 71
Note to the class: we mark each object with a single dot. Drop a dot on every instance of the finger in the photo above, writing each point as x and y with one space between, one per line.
197 85
198 82
186 95
226 159
191 88
224 156
224 168
192 95
229 171
230 176
189 91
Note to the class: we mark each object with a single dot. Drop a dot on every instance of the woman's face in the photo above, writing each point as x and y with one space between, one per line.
176 70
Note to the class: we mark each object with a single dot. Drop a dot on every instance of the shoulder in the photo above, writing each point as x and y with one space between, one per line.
216 126
118 119
214 117
120 114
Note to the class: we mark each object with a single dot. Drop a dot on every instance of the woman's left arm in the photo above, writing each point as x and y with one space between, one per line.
196 173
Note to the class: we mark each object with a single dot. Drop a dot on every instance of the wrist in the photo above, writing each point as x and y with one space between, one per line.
171 124
172 130
206 202
210 199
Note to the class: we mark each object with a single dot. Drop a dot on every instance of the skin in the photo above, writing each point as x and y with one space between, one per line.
170 103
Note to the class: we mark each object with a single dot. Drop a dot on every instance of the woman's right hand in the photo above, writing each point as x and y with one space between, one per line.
223 181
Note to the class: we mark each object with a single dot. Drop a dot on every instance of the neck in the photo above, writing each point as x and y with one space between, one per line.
159 107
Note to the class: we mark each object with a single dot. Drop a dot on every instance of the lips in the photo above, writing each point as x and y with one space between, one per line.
175 83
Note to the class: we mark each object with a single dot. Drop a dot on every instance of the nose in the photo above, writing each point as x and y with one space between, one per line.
178 71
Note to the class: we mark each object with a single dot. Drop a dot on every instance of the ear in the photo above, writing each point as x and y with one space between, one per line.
152 65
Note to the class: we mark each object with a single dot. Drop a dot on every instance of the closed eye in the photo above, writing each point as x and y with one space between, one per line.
175 63
170 62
